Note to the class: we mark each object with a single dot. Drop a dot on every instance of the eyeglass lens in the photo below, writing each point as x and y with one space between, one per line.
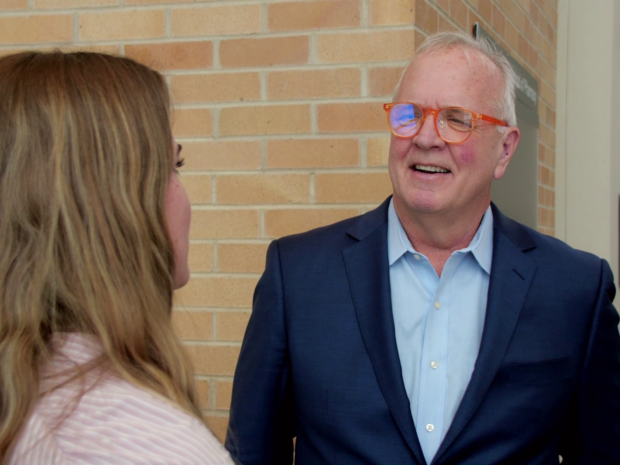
454 124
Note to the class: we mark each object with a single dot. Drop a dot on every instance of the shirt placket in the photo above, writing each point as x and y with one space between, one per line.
433 365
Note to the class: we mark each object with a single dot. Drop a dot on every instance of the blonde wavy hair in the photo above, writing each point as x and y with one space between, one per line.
85 160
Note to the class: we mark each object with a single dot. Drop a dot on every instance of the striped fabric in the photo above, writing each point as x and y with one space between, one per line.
113 422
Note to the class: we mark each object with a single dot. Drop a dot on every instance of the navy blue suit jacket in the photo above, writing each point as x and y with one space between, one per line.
319 360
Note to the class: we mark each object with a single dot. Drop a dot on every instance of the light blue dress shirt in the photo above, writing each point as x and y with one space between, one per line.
438 323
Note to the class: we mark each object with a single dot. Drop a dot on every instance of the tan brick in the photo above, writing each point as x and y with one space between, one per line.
342 82
534 12
241 258
192 122
122 25
551 199
231 325
377 151
263 189
312 153
193 325
351 117
202 391
224 224
158 2
443 25
382 81
14 5
200 257
276 119
426 17
297 16
485 10
525 4
216 292
269 51
11 51
213 360
458 12
222 155
175 55
419 39
36 29
352 188
386 12
218 426
219 87
541 195
543 175
547 72
198 188
541 153
366 46
58 4
109 49
499 21
513 12
280 223
523 46
473 18
216 20
512 35
548 94
527 27
223 394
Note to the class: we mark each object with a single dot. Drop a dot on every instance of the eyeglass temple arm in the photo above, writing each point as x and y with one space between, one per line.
490 119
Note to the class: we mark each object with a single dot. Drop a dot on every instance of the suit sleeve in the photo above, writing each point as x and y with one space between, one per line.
261 427
592 433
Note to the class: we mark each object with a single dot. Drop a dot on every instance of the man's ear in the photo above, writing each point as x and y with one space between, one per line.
509 142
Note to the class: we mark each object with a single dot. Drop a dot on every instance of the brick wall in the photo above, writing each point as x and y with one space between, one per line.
278 108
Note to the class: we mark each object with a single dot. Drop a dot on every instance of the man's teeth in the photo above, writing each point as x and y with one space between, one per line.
430 169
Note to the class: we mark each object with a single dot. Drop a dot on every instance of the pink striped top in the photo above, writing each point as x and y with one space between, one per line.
114 422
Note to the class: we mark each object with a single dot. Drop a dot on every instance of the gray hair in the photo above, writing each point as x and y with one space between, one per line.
446 40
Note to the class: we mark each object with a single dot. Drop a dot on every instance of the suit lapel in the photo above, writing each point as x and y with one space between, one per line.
511 275
367 269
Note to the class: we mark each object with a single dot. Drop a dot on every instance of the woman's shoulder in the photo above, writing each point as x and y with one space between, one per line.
123 421
117 422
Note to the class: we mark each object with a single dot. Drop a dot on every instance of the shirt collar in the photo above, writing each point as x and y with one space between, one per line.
481 246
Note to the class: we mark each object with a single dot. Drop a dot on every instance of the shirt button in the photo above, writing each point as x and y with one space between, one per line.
434 364
416 256
429 427
437 305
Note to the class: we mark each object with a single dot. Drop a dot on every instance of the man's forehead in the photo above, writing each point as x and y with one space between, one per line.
454 71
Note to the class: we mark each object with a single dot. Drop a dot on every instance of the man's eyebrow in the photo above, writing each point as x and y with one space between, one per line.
179 147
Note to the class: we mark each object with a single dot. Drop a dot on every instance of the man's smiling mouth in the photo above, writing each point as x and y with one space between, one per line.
430 169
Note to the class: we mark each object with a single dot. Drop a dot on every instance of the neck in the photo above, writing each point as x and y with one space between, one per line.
438 235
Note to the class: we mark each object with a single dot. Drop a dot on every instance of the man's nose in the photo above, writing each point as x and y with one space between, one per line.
428 138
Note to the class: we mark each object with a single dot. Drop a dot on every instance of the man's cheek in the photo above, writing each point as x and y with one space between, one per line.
467 156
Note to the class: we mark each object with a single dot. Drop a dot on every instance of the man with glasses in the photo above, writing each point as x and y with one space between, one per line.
434 328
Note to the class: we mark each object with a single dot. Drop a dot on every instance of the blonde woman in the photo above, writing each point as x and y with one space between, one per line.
93 239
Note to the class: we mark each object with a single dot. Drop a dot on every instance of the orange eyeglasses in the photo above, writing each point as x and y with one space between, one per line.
453 124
